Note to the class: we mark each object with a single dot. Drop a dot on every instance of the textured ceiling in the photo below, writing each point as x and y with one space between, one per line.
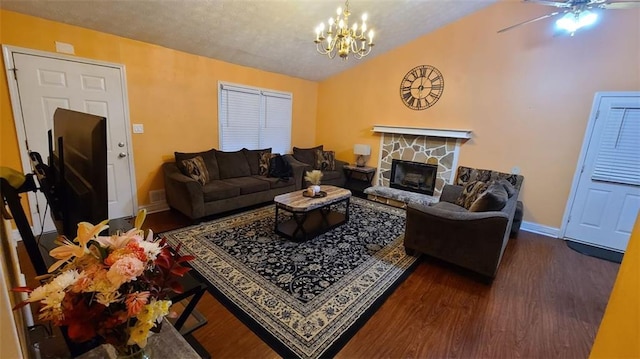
271 35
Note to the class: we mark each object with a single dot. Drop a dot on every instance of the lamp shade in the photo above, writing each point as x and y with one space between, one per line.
362 150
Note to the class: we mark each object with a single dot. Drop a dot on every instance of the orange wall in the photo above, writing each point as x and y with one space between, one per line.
174 94
525 94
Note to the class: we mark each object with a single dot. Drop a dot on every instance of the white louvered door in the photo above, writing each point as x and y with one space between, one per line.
607 197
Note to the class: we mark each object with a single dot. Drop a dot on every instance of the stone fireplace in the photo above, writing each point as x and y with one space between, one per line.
439 148
413 176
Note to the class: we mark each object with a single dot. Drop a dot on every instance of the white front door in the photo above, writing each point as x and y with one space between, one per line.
45 83
607 196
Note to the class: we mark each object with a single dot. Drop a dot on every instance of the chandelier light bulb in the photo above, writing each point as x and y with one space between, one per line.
341 24
354 27
370 37
364 17
339 11
331 21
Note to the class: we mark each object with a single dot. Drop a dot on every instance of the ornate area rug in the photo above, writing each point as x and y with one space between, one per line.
305 299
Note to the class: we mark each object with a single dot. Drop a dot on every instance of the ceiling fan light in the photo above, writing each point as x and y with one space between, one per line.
572 21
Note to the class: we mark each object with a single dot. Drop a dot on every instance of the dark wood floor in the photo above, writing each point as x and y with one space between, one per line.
547 301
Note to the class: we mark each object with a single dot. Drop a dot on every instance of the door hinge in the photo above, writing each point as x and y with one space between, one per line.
597 114
582 169
26 143
37 208
569 219
15 73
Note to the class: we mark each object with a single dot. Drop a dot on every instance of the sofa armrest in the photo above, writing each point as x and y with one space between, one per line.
183 192
299 168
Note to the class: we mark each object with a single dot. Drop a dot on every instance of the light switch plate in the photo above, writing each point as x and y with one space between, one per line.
138 128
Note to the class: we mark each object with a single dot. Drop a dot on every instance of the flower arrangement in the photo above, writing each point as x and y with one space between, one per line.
113 288
313 177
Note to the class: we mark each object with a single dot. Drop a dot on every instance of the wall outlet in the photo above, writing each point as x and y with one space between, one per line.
138 128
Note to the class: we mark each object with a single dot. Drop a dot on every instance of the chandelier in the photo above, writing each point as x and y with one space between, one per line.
341 39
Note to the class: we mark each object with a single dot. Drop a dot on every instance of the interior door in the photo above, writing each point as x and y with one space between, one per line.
46 83
607 196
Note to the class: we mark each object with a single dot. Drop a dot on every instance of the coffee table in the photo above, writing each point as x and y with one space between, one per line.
311 216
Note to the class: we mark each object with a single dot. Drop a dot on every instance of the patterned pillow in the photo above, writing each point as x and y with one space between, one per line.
470 193
325 160
196 169
263 167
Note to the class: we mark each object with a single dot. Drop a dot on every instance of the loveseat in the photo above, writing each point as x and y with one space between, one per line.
316 158
210 182
471 224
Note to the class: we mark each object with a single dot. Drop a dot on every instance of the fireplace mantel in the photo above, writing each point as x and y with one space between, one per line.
429 132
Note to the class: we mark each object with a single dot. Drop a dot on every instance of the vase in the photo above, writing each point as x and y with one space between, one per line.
132 352
316 189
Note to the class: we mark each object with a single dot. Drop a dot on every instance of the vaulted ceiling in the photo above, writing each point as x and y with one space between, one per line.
271 35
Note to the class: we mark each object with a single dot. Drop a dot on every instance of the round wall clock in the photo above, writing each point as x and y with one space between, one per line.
421 87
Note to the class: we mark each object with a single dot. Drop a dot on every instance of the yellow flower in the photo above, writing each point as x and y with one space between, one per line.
68 250
139 333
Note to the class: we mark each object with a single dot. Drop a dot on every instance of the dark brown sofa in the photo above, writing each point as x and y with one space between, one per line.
234 180
450 232
307 159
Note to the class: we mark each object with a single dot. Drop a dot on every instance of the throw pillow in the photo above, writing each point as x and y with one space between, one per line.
493 199
196 169
253 158
265 157
325 160
306 155
209 158
470 193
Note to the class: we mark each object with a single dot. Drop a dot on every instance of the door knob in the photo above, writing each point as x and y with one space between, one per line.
122 155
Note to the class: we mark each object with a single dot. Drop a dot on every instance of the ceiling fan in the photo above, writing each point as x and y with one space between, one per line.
577 13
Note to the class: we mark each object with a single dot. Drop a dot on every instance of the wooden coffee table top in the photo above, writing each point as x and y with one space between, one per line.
296 202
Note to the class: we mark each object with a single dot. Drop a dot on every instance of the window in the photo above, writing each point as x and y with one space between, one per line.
254 118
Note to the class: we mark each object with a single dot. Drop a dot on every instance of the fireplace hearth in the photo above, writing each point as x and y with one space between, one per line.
413 176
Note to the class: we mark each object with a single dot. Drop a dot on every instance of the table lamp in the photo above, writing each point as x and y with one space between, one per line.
361 151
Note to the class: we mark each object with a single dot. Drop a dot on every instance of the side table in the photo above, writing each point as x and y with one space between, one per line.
358 178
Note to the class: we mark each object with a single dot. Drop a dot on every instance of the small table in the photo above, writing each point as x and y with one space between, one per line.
358 178
311 216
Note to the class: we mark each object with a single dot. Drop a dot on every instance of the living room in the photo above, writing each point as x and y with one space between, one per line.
526 96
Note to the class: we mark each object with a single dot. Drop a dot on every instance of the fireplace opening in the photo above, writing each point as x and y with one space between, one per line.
413 176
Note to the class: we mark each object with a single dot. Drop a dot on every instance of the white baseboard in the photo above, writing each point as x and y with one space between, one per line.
540 229
155 207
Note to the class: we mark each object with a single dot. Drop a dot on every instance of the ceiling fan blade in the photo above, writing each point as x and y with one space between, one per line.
620 5
532 20
551 3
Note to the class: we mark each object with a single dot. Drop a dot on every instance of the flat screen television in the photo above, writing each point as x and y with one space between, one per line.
78 167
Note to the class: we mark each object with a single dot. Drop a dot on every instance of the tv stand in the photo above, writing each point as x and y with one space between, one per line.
11 196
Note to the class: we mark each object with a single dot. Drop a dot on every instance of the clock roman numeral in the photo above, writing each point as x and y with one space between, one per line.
406 96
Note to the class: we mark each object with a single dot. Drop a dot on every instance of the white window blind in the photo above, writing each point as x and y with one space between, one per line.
254 119
618 160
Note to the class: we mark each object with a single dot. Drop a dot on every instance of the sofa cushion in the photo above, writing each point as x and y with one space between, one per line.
494 198
470 193
253 159
325 160
448 206
508 186
196 169
248 184
277 182
467 174
232 164
307 155
216 190
209 158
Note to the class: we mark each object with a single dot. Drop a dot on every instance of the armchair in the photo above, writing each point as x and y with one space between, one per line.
307 159
471 239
